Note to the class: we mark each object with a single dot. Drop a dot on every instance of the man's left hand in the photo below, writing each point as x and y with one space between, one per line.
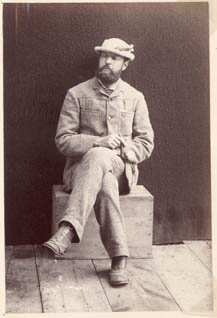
128 155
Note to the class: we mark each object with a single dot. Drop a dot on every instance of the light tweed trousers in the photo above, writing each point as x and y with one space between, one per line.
96 181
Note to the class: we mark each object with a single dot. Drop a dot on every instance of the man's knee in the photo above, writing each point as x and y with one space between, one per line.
98 153
105 159
99 156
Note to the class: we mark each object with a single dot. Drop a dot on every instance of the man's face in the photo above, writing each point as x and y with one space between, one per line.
110 67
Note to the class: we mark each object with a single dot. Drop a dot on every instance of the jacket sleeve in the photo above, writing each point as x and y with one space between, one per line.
68 139
142 142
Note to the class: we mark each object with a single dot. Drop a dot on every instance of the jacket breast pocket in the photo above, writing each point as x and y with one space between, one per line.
126 123
90 112
90 119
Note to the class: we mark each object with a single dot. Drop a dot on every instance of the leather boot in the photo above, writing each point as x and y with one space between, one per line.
118 274
61 240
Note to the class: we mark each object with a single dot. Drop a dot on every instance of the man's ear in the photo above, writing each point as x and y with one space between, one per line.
125 65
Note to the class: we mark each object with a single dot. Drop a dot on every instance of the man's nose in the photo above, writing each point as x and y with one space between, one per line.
108 60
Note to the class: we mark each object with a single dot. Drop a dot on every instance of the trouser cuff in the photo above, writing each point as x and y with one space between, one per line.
118 252
76 226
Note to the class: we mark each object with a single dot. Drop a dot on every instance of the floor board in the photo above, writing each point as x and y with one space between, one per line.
69 285
144 292
177 278
22 294
202 250
187 279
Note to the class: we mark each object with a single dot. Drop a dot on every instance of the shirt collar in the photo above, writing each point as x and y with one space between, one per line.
115 87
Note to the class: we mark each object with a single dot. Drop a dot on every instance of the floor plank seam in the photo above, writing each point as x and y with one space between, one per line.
63 301
201 261
101 284
154 270
39 284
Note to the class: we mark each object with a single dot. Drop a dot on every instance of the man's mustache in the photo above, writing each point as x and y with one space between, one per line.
106 67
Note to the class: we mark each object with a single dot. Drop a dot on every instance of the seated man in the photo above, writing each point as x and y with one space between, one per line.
104 131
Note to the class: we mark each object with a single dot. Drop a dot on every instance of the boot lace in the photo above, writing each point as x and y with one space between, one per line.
61 233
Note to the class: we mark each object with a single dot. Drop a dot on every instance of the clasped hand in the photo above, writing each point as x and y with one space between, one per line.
115 141
112 141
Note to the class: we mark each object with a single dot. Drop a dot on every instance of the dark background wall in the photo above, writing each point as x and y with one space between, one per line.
48 48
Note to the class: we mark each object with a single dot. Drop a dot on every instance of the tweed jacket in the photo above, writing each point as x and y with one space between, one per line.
89 112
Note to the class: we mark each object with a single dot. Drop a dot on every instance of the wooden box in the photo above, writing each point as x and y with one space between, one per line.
137 207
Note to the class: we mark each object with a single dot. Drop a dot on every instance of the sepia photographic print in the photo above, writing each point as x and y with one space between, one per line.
107 157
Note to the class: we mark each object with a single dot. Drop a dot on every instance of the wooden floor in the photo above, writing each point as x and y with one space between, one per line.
177 278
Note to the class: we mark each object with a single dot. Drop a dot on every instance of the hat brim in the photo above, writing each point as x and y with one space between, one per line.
129 56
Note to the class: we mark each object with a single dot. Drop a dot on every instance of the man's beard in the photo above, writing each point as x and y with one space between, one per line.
108 77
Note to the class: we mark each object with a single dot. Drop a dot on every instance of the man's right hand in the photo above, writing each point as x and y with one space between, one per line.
112 141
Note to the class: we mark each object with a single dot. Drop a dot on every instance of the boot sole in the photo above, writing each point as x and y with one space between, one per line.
51 248
121 280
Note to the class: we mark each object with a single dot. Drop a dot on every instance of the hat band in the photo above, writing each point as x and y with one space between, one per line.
116 51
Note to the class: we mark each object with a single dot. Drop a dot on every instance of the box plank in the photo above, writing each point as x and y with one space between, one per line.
187 279
138 211
144 292
203 252
69 285
22 289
